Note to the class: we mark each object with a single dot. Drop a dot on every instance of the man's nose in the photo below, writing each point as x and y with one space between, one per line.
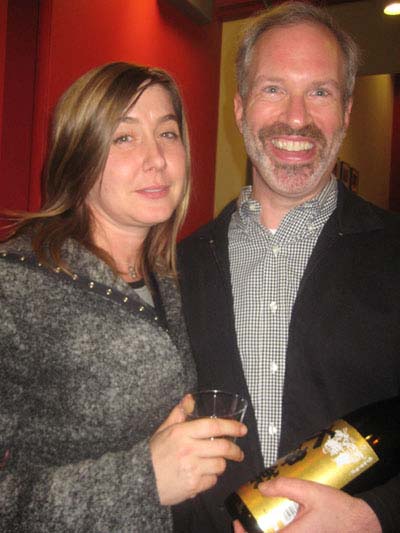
296 112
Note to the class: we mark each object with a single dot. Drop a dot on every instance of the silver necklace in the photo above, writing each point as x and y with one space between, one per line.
132 271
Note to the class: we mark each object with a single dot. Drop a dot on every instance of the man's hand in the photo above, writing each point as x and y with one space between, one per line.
237 527
322 509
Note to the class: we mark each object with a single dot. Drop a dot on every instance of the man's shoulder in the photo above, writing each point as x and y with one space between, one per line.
215 228
356 213
390 219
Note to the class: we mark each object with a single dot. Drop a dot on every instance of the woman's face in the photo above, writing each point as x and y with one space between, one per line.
144 175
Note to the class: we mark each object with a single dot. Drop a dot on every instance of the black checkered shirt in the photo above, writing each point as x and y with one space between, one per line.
266 269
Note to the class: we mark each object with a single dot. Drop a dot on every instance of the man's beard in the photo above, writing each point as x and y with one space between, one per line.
293 177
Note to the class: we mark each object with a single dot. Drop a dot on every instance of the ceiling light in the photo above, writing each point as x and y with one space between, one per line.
392 8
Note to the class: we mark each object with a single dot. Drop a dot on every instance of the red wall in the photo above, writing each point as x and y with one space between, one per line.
76 35
17 88
3 30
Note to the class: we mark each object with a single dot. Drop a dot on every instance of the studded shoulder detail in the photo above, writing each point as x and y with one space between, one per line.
83 283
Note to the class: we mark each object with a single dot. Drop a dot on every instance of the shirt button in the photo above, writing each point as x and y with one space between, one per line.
276 249
273 306
274 367
272 430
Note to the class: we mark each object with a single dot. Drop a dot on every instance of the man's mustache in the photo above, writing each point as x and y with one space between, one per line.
311 131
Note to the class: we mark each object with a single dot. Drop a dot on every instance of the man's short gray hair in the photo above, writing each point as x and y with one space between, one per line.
287 14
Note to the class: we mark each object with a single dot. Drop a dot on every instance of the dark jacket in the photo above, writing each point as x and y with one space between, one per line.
343 347
85 381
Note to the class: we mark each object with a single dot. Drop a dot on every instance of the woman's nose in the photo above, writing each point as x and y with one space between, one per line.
154 156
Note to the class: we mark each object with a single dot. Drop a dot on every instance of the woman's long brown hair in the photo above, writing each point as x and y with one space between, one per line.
84 122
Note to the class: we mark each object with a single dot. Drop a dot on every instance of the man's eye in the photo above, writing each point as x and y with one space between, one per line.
271 90
321 92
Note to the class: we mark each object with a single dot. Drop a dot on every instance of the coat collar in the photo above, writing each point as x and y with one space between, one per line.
88 267
84 263
352 214
78 258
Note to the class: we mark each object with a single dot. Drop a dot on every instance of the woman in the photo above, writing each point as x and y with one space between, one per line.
93 349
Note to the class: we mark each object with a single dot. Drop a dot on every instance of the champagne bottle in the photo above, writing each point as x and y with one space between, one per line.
357 452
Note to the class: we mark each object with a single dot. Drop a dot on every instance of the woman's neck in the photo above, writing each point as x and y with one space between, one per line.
124 248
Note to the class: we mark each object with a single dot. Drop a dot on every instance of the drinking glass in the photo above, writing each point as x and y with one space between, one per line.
216 404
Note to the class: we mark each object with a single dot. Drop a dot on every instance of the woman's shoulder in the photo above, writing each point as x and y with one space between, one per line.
15 251
21 245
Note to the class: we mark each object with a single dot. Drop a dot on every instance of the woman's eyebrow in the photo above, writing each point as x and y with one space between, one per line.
134 120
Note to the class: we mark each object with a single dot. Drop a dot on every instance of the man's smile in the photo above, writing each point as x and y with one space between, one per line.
292 146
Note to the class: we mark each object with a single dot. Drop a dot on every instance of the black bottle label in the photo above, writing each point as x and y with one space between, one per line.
333 457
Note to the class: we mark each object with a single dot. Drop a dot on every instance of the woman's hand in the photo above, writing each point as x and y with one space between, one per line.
186 460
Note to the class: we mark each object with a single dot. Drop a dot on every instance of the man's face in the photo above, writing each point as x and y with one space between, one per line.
292 118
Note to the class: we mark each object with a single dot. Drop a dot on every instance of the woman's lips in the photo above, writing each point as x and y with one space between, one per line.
154 193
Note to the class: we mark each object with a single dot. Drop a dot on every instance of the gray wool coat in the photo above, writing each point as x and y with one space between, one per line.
84 383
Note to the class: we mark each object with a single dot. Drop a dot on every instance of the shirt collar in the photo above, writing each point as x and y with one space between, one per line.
324 203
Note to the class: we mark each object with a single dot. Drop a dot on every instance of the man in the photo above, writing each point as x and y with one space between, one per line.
292 295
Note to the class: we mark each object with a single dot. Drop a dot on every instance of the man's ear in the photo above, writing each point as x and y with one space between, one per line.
347 112
238 108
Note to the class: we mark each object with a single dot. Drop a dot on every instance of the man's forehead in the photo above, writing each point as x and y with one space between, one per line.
309 35
294 46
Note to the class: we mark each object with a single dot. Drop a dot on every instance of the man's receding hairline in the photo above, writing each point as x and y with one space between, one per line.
288 24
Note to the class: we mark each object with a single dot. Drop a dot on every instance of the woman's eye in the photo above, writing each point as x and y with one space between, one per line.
122 139
170 135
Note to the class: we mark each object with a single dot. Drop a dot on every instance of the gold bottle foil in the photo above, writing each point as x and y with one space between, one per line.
334 457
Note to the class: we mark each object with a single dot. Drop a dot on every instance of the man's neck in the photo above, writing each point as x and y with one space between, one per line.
274 207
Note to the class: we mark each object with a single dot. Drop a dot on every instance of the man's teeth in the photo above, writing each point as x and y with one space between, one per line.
292 146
